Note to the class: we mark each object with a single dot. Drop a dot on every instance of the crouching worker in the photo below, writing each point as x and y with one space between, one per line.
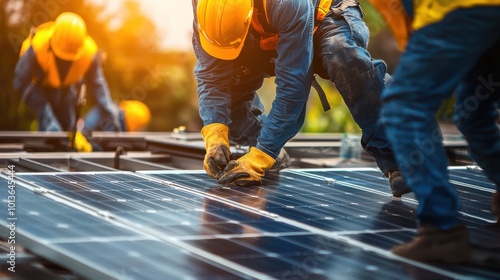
55 63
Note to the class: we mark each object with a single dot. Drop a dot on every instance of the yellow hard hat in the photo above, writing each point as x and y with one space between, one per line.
223 26
69 35
137 114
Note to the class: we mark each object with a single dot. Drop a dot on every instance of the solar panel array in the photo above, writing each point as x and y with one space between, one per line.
302 224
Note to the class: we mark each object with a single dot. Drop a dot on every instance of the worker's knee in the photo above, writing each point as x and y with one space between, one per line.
346 61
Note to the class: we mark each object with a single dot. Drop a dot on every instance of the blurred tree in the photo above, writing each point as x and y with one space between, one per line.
134 65
11 36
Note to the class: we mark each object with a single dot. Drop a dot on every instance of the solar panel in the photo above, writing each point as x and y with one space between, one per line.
303 224
96 247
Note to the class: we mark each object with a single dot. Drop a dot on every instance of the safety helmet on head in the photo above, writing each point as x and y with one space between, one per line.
223 26
69 35
137 114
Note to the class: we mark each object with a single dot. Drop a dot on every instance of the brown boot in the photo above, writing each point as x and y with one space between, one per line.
495 206
435 245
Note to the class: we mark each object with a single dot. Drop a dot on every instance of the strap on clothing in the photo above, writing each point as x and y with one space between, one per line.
321 94
337 11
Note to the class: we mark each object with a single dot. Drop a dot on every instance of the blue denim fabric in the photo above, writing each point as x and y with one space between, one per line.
460 53
227 89
341 56
95 120
55 108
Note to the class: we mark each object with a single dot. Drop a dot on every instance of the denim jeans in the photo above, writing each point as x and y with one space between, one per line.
341 56
459 54
96 119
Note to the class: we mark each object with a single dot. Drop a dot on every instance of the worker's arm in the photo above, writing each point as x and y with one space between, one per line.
27 80
294 21
99 87
214 86
214 99
24 68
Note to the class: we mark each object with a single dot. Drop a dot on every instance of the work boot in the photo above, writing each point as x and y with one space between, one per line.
436 245
495 206
397 183
282 161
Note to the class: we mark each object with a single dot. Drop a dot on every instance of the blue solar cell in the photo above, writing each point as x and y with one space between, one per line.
293 227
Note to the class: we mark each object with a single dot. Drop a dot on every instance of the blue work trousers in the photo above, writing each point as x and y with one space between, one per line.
342 56
459 54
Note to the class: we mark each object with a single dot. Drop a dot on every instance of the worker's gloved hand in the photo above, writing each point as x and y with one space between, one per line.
81 144
216 136
248 169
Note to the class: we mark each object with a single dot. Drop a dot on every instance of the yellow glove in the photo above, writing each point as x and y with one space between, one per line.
81 144
248 169
216 136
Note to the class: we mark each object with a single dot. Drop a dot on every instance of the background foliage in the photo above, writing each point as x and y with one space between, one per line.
137 68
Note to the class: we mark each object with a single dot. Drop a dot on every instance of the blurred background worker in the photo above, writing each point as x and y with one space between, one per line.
454 47
239 43
56 62
134 115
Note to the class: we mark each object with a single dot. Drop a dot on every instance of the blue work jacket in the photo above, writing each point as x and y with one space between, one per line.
61 100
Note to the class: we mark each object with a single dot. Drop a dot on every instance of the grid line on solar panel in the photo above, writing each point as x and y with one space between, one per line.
308 211
365 181
268 256
475 200
180 215
68 233
309 256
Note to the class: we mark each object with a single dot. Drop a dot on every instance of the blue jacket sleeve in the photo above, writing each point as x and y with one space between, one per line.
27 81
22 73
99 87
294 21
214 84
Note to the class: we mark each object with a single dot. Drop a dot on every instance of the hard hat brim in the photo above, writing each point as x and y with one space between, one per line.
228 53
